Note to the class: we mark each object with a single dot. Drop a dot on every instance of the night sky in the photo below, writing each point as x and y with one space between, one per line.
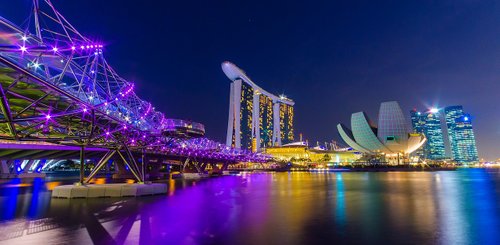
332 58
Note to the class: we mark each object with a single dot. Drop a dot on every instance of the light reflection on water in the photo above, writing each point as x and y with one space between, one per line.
459 207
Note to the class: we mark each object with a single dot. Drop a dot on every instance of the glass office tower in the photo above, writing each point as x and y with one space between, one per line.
434 149
429 123
461 135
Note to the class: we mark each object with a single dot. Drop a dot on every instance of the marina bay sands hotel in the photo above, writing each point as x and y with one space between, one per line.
257 118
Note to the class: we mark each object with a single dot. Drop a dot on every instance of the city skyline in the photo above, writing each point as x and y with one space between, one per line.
321 68
449 133
113 122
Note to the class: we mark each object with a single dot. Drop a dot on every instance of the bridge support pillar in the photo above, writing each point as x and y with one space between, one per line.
5 169
82 164
215 170
121 171
191 170
203 166
103 161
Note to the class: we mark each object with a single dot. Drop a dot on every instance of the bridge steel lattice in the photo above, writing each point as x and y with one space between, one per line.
56 87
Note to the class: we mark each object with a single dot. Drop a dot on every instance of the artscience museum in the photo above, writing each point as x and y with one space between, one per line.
392 137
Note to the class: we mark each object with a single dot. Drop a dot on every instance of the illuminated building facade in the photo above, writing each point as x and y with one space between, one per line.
392 138
461 135
429 123
257 118
435 148
418 124
303 154
286 123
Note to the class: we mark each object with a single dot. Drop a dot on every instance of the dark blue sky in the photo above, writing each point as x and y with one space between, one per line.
332 58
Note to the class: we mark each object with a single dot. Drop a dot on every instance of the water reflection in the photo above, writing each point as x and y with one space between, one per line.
268 208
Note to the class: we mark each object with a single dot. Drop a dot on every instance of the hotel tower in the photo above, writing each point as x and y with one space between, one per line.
257 118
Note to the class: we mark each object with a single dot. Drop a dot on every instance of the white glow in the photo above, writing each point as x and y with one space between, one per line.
23 49
434 110
24 38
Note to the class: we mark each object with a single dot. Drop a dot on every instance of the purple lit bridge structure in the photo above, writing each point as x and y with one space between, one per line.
60 98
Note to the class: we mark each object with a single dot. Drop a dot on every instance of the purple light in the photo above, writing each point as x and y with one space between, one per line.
107 133
73 48
54 49
48 117
23 49
82 47
24 38
84 109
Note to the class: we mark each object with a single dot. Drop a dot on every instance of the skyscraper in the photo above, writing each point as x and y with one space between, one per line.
461 135
418 124
429 123
434 149
257 118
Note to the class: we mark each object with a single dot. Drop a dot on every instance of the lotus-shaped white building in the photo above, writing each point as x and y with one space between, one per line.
392 137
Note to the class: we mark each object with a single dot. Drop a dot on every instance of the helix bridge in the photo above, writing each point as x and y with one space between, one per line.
58 89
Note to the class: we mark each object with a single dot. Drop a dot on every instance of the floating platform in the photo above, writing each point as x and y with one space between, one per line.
108 190
195 175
